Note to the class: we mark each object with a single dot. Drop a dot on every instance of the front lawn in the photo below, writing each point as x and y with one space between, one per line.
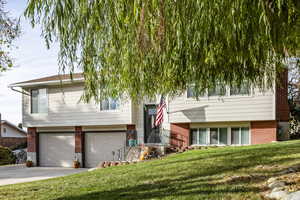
197 174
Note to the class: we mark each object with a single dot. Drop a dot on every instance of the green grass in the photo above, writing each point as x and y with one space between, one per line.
197 174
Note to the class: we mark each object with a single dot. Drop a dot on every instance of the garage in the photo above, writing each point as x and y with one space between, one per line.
56 149
99 146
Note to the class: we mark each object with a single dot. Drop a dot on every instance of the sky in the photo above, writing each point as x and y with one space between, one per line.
31 59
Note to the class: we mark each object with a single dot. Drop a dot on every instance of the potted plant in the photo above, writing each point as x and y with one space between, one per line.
29 163
76 164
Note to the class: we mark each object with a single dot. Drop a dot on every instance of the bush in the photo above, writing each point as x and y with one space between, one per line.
6 156
19 146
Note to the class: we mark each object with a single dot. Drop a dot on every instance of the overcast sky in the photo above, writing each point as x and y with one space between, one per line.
32 60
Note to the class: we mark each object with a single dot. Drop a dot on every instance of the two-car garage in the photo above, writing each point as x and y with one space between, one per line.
58 149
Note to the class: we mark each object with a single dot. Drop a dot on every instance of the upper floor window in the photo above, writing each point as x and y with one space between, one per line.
191 92
244 89
218 90
39 101
109 104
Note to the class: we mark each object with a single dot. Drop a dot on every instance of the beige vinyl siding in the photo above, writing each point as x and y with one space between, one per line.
66 109
257 106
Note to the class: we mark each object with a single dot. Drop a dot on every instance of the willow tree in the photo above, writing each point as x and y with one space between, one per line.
9 30
146 47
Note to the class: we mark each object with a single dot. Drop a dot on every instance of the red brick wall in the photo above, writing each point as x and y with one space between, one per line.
263 132
32 140
282 106
79 140
12 142
180 135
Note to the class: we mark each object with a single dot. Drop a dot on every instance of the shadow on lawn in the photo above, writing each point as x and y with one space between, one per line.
164 189
197 179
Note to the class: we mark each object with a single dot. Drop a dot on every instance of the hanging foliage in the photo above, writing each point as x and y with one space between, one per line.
146 47
9 31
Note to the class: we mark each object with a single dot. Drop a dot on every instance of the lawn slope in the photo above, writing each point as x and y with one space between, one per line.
197 174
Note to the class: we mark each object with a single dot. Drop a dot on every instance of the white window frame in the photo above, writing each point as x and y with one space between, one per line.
109 109
227 95
240 135
30 102
228 136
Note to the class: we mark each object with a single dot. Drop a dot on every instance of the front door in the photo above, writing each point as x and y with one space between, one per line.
152 133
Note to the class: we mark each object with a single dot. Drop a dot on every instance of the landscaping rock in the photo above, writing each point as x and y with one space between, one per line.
277 195
101 165
277 189
271 180
276 184
293 196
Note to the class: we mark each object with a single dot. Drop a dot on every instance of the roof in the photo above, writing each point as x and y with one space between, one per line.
13 126
50 80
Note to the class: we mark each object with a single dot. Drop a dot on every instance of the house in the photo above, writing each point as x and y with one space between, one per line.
11 135
61 128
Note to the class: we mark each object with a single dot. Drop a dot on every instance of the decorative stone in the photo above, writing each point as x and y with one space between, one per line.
101 165
292 196
276 184
277 195
277 189
271 180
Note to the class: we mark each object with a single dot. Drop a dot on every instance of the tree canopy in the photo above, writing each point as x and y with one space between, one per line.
9 30
147 47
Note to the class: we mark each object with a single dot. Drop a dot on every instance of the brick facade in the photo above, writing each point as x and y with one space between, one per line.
32 140
282 106
12 142
79 140
263 132
180 135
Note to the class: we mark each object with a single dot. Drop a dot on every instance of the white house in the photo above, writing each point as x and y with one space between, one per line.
8 129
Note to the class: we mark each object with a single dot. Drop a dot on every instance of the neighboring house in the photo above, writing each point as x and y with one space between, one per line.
11 135
61 128
8 129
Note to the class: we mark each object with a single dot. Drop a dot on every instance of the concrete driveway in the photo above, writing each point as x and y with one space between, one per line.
21 174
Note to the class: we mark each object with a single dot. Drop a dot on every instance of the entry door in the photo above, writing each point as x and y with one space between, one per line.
152 133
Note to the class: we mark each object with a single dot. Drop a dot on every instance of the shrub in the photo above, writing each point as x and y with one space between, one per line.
6 156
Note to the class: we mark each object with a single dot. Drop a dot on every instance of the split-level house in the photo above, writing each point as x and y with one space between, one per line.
61 128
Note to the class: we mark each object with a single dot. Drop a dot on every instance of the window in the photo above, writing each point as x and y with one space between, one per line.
235 136
212 136
245 136
39 101
191 92
4 130
244 89
223 136
240 136
218 90
199 136
109 104
202 136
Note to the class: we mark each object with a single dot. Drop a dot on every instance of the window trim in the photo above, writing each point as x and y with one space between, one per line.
227 95
229 128
30 99
110 110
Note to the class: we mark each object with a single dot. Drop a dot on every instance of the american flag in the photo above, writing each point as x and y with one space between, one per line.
160 112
